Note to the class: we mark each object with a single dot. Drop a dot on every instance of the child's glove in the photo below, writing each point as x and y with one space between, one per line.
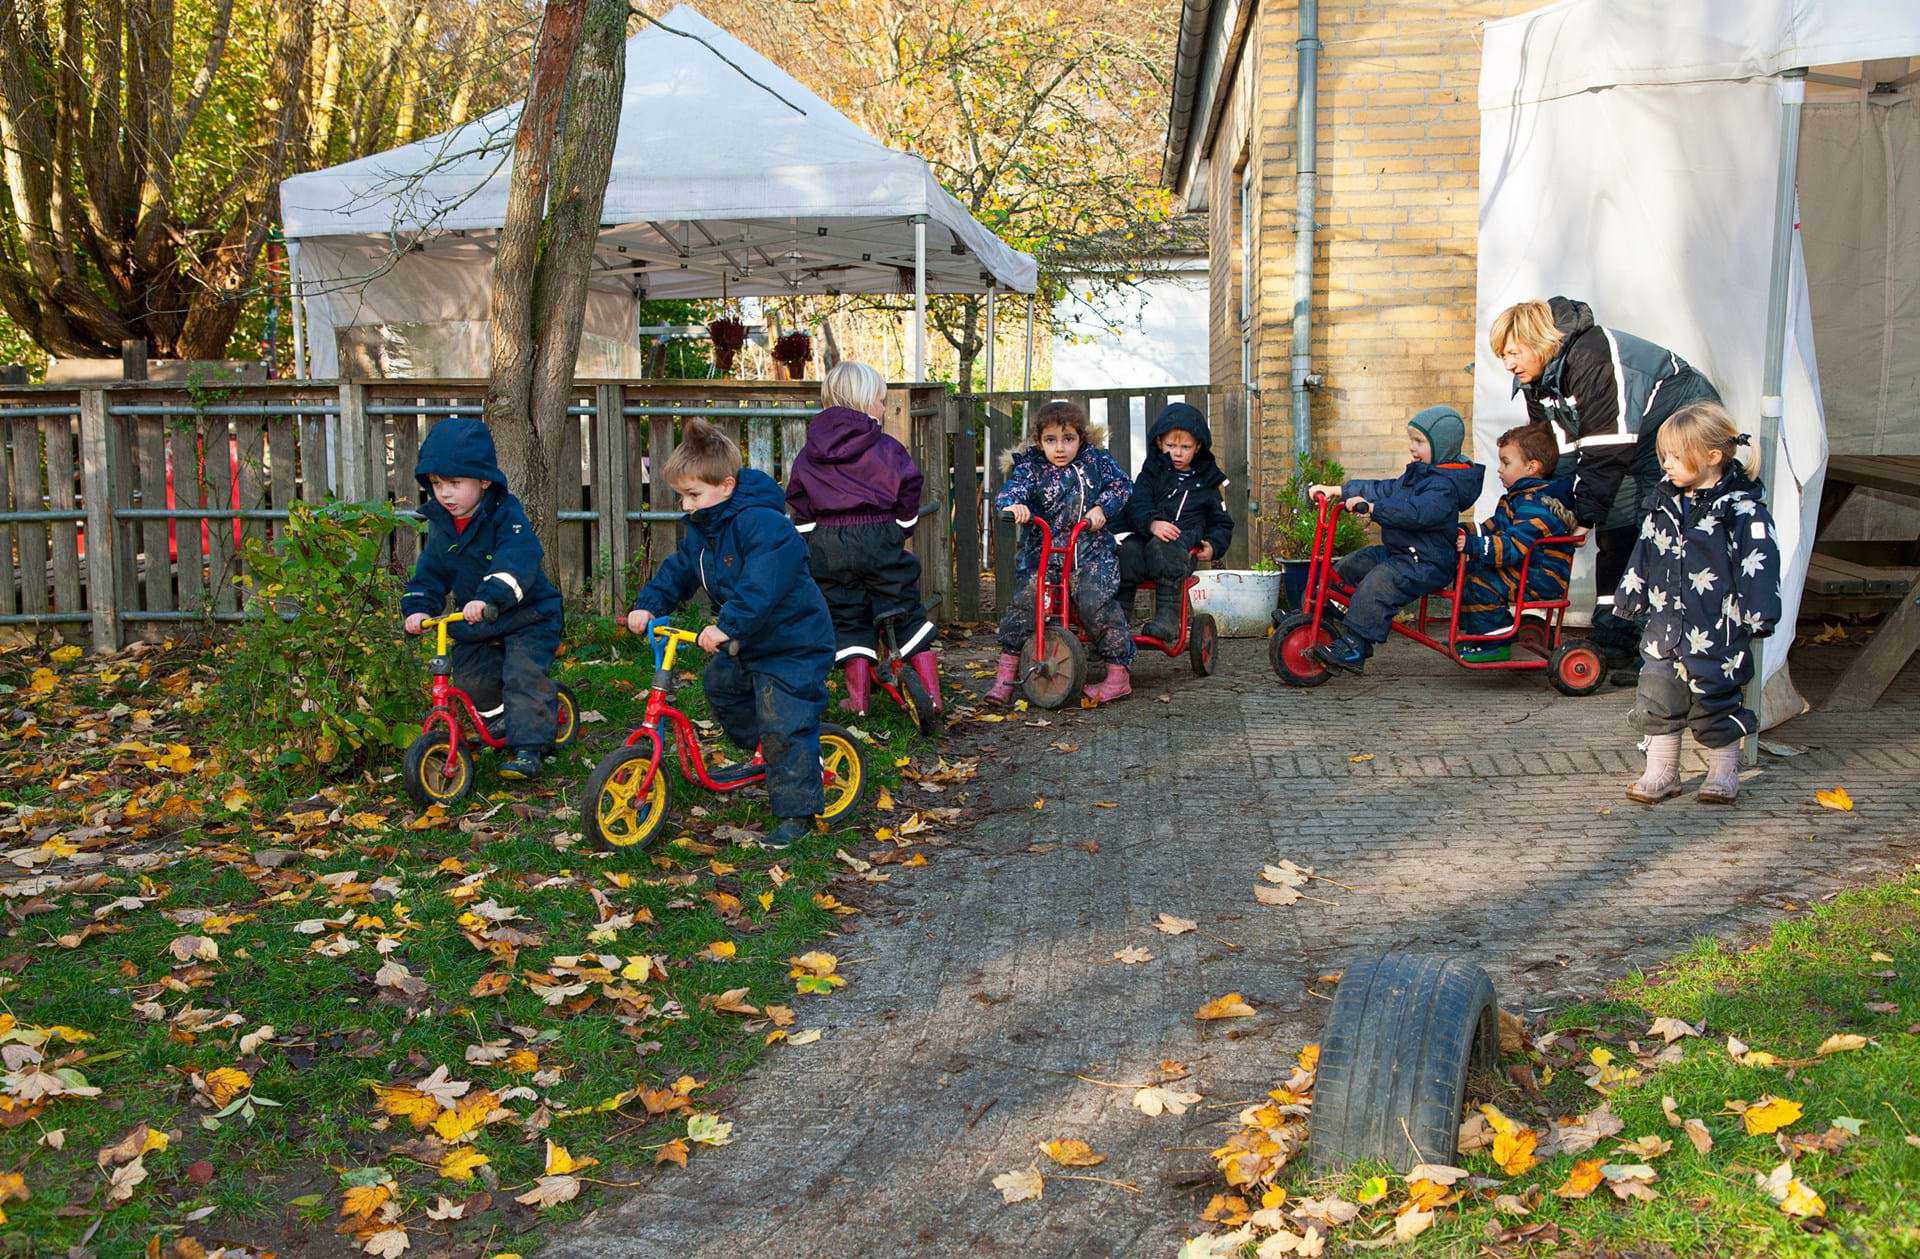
637 621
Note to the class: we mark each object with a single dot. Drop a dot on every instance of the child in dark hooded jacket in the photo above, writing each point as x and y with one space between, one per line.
481 549
854 491
1061 476
1176 509
742 550
1419 515
1706 575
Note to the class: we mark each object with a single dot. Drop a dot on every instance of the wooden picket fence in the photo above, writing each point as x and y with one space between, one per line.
130 481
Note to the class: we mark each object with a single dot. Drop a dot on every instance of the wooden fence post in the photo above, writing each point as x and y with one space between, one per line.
610 495
352 447
98 453
965 518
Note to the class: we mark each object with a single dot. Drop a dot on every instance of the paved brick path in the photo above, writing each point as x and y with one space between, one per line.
1489 822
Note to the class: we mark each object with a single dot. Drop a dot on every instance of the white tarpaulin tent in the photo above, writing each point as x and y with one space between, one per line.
1632 154
726 171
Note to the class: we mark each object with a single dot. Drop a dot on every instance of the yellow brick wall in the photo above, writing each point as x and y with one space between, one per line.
1398 217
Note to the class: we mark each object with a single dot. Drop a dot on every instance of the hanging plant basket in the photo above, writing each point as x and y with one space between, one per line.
728 336
792 353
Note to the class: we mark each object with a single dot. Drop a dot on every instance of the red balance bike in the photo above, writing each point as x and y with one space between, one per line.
900 681
1573 665
438 768
625 801
1053 667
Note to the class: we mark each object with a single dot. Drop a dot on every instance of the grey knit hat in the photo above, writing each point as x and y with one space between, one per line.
1444 430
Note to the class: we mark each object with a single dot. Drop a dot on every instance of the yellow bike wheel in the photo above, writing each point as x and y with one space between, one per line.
567 720
843 771
617 813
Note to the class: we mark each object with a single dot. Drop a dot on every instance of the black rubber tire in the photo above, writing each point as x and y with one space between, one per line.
1576 667
1058 680
1290 661
567 720
1203 640
414 770
1405 1031
927 718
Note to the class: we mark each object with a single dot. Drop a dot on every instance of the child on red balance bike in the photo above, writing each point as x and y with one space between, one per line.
1418 514
1061 475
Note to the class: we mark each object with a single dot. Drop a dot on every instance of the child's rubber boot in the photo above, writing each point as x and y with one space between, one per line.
1002 691
789 830
1486 653
859 684
1116 685
1661 780
1723 776
524 763
739 771
1345 653
926 667
1165 624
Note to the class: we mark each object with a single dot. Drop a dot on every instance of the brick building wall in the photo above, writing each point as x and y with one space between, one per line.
1395 251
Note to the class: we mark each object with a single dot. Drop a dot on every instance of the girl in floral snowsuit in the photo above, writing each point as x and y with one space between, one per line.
1706 574
1061 476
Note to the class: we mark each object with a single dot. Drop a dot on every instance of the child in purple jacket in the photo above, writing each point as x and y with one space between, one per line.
854 492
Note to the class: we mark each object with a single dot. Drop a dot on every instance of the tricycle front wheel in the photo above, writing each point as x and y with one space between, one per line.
1290 650
622 809
436 770
1203 639
1055 676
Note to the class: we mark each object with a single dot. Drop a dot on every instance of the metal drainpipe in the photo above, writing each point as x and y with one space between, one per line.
1306 179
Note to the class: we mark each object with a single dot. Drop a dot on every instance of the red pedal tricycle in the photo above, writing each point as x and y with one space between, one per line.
1053 667
1573 665
438 768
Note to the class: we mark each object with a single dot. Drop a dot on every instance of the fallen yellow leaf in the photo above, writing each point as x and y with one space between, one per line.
1770 1114
1582 1180
1072 1152
560 1163
459 1163
1513 1143
223 1084
364 1200
1835 799
721 950
1231 1006
1841 1042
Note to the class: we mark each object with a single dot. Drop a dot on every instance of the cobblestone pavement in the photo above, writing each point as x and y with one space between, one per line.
1489 822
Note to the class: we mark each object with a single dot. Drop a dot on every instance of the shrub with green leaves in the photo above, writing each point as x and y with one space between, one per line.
321 673
1293 531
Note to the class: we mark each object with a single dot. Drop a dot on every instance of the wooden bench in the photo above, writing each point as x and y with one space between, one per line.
1894 643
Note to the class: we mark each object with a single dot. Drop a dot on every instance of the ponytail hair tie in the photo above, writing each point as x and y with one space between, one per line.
1741 439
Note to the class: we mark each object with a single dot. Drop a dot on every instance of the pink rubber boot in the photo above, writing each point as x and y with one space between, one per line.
1002 691
927 668
1116 685
859 684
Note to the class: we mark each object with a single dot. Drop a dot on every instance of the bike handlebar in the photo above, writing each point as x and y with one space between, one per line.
488 613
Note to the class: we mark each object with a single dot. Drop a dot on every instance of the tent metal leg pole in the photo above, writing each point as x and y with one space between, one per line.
919 299
990 339
297 309
1026 381
1793 92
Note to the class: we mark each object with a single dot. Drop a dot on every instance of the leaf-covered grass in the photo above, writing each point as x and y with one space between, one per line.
1835 969
98 805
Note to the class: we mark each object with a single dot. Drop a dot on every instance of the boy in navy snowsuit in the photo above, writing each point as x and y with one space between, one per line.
744 552
481 548
1536 505
1176 509
1418 513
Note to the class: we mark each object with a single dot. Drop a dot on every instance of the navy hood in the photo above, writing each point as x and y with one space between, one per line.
1205 469
1188 419
460 446
752 488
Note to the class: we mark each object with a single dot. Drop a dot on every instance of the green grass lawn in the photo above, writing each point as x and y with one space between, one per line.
575 994
1848 967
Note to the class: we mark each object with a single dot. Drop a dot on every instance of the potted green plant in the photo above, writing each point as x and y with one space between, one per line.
1295 523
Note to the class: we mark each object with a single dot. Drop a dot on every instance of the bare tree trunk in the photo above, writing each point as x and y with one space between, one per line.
475 48
413 71
579 191
516 262
326 97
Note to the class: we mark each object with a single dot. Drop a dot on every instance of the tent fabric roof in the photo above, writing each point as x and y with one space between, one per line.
719 169
1531 57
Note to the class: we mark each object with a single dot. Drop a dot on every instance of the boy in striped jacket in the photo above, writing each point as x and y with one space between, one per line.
1536 505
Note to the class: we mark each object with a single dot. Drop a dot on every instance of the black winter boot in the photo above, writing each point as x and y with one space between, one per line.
1165 624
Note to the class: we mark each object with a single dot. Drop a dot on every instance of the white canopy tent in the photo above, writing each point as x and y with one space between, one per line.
727 175
1641 154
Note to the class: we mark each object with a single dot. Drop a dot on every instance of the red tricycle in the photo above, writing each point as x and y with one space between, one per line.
1053 667
625 800
438 769
1573 665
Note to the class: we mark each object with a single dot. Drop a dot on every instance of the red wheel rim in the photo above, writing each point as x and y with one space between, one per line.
1579 667
1297 650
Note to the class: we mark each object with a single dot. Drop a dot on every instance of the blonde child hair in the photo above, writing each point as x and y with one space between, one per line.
705 454
1695 430
854 386
1529 323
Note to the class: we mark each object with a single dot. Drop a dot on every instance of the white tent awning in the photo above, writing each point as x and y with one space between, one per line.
726 172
